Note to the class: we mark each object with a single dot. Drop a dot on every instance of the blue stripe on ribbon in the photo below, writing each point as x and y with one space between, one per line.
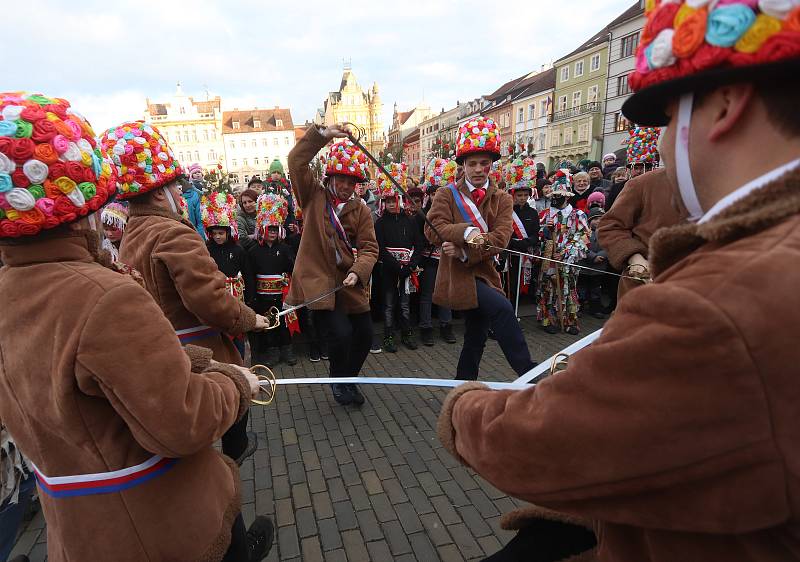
105 489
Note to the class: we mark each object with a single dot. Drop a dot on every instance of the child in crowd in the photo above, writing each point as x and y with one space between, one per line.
114 218
400 248
591 284
192 193
271 264
219 221
596 199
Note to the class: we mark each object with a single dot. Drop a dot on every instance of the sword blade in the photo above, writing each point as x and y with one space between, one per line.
318 298
402 381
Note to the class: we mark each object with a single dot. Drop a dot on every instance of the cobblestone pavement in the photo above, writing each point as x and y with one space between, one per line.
349 484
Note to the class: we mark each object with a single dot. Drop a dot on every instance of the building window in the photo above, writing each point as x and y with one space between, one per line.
579 68
555 140
205 136
595 62
197 156
275 141
213 135
254 144
264 142
244 162
562 103
194 136
244 144
576 98
621 124
185 136
568 135
279 123
212 156
246 178
286 141
233 162
257 123
542 140
180 156
628 45
592 93
583 132
521 115
255 161
622 85
236 125
542 108
531 111
233 145
183 110
565 74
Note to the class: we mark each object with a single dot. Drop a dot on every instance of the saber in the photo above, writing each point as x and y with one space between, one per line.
479 241
445 383
545 368
274 315
368 154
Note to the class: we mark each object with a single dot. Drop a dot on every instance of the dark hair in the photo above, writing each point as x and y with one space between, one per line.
780 99
255 180
251 193
594 164
540 183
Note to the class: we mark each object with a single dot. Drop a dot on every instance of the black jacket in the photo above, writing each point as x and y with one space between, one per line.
530 220
398 231
231 258
266 260
601 184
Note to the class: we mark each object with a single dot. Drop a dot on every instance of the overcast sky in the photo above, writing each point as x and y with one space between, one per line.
107 57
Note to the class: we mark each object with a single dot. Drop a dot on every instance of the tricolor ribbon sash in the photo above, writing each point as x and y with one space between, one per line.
333 217
188 335
103 482
272 285
468 209
519 228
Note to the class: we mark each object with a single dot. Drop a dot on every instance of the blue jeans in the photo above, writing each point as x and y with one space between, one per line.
494 311
11 515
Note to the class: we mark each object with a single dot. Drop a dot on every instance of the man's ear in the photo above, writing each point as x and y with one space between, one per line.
727 105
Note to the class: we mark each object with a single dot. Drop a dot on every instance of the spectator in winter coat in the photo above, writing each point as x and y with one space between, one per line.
192 192
618 179
583 188
596 199
592 283
609 165
596 179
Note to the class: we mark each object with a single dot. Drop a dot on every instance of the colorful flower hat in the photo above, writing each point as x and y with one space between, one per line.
142 159
115 215
346 159
51 170
690 43
385 186
643 145
271 210
433 173
219 209
478 135
562 183
520 174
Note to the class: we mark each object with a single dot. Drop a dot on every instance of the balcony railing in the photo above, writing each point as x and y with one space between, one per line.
591 107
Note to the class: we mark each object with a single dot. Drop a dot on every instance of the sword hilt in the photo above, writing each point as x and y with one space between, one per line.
264 373
480 242
273 318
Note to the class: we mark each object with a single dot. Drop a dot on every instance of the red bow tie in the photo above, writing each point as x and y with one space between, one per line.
478 194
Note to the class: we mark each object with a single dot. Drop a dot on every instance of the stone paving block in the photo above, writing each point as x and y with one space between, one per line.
369 526
288 542
354 546
284 512
450 553
482 503
489 544
337 555
435 529
311 460
455 493
312 551
396 537
464 540
395 491
329 534
419 499
345 516
297 473
316 481
301 496
422 547
358 495
371 482
306 522
445 510
383 508
429 484
330 467
264 501
474 521
323 507
350 474
379 550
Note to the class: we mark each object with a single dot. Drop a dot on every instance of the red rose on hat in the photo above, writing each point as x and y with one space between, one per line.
74 171
63 207
51 222
19 178
58 109
27 229
88 175
659 75
5 146
709 56
792 21
32 113
9 229
57 170
22 150
43 131
781 46
662 18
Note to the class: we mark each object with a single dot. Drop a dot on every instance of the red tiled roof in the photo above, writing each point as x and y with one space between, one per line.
268 117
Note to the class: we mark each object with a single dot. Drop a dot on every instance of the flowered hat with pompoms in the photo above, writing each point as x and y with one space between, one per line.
219 209
643 145
51 170
142 159
271 210
520 174
478 135
689 44
385 186
346 159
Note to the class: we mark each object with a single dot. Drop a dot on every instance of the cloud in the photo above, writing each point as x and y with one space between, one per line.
112 56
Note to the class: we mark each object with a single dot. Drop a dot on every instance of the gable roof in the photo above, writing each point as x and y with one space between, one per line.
268 117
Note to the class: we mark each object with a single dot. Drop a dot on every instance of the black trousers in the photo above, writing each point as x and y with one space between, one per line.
234 441
237 551
349 338
276 337
494 311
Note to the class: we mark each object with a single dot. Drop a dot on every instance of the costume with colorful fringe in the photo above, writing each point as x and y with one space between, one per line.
219 210
563 236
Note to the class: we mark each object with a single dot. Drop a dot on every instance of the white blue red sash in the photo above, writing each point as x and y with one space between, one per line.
188 335
519 228
333 217
468 209
103 482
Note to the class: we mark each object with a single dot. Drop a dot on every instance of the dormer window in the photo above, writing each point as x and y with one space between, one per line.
279 123
235 124
257 123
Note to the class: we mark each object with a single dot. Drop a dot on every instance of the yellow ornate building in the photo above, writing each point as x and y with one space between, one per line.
351 103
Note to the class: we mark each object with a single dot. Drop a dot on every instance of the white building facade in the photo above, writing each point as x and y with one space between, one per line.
441 128
192 128
625 37
253 138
